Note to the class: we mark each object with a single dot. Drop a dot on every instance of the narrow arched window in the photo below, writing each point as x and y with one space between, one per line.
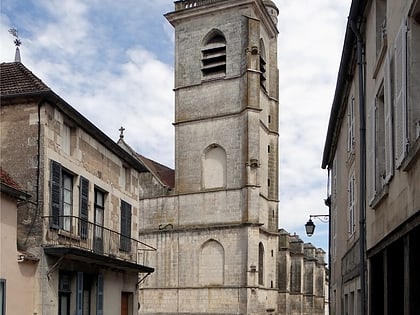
261 264
214 167
212 263
263 62
213 61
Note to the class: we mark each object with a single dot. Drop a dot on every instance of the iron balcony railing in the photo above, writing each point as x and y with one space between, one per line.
75 232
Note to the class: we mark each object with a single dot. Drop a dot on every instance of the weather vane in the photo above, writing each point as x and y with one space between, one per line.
14 33
17 42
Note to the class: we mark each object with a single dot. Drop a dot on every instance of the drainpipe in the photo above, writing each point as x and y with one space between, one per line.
362 172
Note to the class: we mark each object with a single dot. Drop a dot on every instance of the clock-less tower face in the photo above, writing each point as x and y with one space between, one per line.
226 96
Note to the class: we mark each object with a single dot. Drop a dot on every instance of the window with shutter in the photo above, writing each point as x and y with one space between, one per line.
100 295
125 228
61 191
55 187
350 126
400 118
83 207
99 220
351 205
79 294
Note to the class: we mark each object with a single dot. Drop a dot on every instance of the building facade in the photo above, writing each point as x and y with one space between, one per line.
217 234
213 220
17 269
82 221
372 154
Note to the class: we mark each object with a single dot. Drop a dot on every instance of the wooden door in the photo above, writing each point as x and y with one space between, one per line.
124 303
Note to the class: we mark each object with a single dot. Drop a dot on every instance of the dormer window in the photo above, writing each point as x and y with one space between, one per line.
213 60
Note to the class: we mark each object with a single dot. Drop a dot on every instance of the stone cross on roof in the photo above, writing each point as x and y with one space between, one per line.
121 132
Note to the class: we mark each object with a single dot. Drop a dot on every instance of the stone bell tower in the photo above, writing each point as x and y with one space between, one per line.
219 254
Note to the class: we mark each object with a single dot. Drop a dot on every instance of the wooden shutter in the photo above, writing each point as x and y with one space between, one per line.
125 228
79 294
389 141
100 295
56 198
370 148
401 140
83 210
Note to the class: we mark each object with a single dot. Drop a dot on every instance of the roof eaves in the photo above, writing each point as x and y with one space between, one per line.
345 69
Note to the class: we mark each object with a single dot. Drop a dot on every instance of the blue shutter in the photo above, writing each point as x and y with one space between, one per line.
125 227
100 295
79 294
84 197
56 202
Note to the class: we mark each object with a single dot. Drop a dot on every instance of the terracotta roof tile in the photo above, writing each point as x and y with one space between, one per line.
16 79
5 178
165 174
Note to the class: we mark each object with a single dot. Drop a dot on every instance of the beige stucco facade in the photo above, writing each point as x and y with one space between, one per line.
17 272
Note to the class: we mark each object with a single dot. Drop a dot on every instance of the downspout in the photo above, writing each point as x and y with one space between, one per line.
362 171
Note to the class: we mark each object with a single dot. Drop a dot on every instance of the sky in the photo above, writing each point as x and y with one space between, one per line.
113 62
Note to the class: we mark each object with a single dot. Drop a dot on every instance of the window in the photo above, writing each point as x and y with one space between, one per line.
64 293
61 197
125 178
379 141
351 205
380 25
400 90
214 55
260 264
83 207
350 126
99 220
125 227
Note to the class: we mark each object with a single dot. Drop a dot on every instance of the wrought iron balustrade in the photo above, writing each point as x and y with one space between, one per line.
75 232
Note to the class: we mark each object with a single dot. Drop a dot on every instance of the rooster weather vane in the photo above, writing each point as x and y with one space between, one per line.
17 42
14 33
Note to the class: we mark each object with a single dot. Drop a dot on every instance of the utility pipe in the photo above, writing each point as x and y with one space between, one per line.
362 170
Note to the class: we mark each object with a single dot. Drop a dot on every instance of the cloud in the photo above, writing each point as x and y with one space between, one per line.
113 60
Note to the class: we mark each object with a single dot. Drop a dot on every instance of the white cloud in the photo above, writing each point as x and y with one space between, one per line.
113 61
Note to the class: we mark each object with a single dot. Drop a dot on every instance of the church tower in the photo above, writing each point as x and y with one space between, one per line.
216 233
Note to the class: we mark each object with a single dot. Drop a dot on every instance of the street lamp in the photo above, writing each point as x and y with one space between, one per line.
310 226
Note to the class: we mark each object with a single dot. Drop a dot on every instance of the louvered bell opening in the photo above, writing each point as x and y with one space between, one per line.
214 59
262 72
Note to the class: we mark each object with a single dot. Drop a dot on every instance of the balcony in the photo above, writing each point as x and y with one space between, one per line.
81 240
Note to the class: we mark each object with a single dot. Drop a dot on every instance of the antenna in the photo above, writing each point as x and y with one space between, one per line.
14 33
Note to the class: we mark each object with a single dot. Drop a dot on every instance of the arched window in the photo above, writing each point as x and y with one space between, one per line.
263 77
212 263
261 264
214 167
214 55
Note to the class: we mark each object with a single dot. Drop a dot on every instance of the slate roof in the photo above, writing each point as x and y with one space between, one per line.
16 79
